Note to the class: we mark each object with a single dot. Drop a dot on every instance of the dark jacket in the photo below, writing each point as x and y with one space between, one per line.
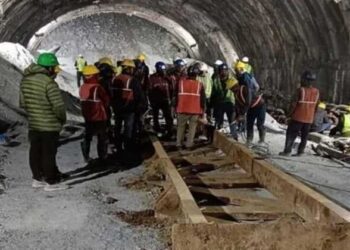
160 89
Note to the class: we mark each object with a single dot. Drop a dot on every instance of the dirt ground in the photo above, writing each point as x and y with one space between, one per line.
82 217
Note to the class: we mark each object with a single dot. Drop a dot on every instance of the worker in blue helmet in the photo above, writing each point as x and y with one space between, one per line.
160 93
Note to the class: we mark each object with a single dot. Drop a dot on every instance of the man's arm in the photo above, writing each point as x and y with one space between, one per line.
203 97
56 101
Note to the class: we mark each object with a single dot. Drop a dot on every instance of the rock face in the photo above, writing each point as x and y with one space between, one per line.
281 37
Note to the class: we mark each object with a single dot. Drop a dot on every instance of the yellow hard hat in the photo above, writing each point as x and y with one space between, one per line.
347 108
230 83
128 63
90 70
240 65
106 60
142 57
322 105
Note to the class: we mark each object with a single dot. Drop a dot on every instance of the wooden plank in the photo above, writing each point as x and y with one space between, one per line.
247 209
194 169
189 207
308 203
235 181
277 235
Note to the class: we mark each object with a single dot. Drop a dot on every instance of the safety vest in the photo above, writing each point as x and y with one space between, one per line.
240 97
208 84
80 64
346 125
93 109
121 88
306 106
189 97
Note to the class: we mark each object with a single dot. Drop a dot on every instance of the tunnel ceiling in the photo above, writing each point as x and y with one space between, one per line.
281 37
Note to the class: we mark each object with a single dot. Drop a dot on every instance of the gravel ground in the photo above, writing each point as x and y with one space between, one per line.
78 218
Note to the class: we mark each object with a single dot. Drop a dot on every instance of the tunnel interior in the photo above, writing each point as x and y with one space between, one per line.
282 38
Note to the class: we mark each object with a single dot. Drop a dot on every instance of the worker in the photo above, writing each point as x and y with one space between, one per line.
79 64
107 72
249 103
141 74
94 105
303 113
321 121
223 99
179 71
190 105
41 98
205 78
126 96
160 93
216 68
248 67
343 126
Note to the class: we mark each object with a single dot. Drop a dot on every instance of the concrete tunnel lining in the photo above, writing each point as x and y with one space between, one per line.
281 37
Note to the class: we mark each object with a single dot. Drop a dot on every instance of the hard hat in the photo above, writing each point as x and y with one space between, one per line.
47 60
245 59
347 108
218 62
308 75
160 66
106 60
128 63
223 66
230 83
80 55
193 71
322 105
180 62
204 67
89 70
240 65
142 57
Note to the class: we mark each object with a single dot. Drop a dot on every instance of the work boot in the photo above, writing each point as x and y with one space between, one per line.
262 135
284 154
85 149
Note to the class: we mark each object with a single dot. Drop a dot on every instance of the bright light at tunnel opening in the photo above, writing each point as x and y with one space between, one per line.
131 10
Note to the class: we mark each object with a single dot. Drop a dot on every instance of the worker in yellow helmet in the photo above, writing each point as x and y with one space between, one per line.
321 121
94 105
79 64
343 127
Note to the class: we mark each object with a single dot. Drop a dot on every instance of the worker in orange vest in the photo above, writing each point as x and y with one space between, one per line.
190 105
94 106
304 108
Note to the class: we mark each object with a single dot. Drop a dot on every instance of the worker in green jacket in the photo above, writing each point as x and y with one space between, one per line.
207 81
79 64
222 99
41 98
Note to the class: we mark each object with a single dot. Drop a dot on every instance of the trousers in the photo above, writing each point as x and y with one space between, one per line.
182 121
294 128
42 155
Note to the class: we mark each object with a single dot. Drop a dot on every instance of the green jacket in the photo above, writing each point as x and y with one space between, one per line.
41 98
220 93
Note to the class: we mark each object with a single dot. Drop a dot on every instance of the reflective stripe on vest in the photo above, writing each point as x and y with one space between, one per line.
302 99
94 98
243 100
189 98
346 125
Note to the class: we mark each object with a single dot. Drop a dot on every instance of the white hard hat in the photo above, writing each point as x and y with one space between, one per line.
204 67
80 55
218 62
245 59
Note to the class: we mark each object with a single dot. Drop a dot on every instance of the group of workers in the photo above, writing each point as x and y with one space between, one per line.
114 99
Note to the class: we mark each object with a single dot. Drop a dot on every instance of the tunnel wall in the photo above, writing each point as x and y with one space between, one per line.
281 37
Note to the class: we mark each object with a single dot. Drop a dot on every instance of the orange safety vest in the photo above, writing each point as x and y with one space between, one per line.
121 88
189 97
305 109
240 97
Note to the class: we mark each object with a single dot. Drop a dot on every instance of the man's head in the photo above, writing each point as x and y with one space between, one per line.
160 68
307 78
128 67
223 71
240 68
180 65
217 64
141 57
81 56
193 72
91 71
50 62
